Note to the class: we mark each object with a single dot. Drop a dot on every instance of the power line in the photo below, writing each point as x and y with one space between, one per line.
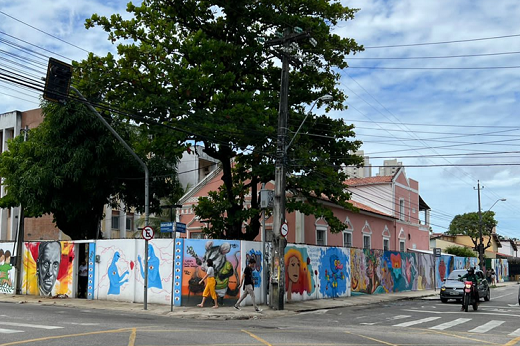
443 42
433 57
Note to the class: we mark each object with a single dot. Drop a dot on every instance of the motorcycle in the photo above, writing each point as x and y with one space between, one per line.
469 296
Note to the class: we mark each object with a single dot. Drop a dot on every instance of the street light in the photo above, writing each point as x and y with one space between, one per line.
322 98
481 243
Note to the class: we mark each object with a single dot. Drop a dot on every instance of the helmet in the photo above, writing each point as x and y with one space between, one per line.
471 271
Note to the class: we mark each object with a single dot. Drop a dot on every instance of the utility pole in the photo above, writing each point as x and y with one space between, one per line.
277 283
480 242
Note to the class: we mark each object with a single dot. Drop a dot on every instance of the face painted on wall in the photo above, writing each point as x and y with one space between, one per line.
48 265
293 269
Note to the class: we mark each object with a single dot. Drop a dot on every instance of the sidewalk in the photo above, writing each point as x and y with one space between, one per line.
226 312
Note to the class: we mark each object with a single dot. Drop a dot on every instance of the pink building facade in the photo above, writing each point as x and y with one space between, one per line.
388 217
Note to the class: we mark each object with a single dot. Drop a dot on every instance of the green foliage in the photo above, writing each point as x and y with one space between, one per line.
460 251
201 67
469 224
71 166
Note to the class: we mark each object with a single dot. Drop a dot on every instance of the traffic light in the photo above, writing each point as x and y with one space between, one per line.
57 82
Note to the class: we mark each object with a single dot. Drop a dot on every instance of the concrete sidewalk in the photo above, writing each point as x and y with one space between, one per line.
225 312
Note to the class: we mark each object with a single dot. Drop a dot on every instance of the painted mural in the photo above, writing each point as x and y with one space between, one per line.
445 264
377 271
252 250
226 256
7 270
121 270
313 272
160 267
501 269
48 268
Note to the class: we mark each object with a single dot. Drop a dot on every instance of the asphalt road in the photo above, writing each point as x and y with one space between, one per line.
410 322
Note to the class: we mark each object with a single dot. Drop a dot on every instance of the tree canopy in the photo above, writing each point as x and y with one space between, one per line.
460 251
203 68
70 166
469 224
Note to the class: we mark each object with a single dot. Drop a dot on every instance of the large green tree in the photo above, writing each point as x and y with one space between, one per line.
204 68
71 166
469 224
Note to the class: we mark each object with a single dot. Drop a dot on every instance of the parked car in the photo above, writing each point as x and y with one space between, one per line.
452 288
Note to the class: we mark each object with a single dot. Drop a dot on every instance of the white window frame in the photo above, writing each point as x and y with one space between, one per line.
402 246
386 241
367 236
115 222
324 232
401 209
347 233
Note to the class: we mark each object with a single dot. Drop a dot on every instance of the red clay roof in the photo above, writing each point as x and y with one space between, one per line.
369 181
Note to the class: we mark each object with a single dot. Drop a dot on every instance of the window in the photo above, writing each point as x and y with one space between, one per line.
197 235
386 244
401 209
401 246
366 242
320 237
347 239
115 222
129 224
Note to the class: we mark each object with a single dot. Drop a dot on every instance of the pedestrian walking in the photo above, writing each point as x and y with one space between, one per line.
248 284
209 290
493 277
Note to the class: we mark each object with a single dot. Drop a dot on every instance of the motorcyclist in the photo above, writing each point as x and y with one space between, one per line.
471 276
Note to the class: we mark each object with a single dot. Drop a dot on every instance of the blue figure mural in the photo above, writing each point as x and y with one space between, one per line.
257 256
154 277
116 280
333 266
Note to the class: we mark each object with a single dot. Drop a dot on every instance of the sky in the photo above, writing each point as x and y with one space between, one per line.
436 88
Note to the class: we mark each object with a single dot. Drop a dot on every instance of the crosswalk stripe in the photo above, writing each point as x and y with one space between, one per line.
515 333
411 323
450 324
399 317
486 327
38 326
9 331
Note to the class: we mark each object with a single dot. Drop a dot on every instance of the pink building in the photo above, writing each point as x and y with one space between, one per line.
388 216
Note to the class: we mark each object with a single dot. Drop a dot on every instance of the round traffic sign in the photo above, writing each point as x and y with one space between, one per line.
147 233
284 229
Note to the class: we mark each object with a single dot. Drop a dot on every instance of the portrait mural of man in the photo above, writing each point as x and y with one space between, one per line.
48 268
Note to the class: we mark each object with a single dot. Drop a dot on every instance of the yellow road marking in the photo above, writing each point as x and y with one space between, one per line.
257 338
461 337
376 340
131 341
65 336
513 342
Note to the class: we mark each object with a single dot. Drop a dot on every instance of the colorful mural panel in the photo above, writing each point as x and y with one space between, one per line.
116 270
313 272
253 250
370 272
160 267
226 262
48 268
7 270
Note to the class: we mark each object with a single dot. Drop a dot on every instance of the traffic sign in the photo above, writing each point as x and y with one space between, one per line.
147 233
167 227
180 227
284 229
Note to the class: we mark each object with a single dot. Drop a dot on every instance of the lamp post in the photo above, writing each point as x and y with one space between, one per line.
480 225
276 289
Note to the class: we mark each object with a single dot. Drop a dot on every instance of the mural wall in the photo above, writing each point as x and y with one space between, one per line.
7 270
444 265
377 271
121 270
253 250
313 272
226 256
48 268
501 269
